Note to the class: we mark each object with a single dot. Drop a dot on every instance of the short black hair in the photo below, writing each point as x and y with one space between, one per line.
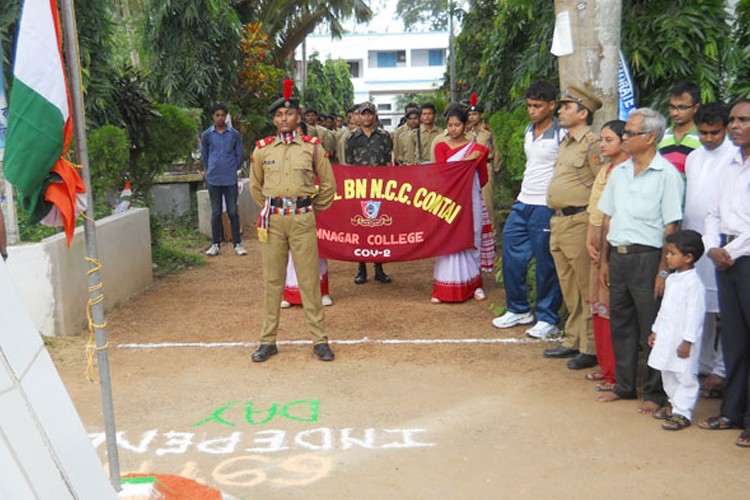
712 114
742 100
311 110
589 115
410 105
542 90
684 87
219 106
429 105
616 126
302 124
688 242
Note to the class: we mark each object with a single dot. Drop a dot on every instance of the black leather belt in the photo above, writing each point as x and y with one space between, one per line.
564 212
635 249
726 239
300 202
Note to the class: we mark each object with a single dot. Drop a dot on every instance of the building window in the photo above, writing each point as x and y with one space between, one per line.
427 57
354 68
388 59
384 107
386 122
436 57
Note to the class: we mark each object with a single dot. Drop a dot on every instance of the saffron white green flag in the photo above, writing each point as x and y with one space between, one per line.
39 125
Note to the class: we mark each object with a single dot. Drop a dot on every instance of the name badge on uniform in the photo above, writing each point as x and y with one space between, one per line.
269 162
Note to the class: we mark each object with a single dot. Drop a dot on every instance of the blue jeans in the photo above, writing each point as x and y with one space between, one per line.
526 235
229 194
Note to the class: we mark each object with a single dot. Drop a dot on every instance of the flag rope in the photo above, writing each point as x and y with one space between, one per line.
91 348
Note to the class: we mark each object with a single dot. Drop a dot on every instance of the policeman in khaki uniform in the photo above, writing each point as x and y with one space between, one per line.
578 162
282 180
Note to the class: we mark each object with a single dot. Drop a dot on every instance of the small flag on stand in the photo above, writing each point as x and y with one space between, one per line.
39 122
123 202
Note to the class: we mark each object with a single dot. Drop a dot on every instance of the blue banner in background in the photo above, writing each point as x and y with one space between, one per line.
3 103
625 89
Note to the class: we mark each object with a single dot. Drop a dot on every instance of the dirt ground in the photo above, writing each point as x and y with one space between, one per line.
425 419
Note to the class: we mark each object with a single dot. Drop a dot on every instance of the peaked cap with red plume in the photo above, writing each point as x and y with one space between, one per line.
286 100
473 106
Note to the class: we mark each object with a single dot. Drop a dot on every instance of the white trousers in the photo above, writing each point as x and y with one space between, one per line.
682 390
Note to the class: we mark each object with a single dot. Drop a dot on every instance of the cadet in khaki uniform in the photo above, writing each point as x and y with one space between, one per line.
400 139
282 181
482 134
421 138
578 162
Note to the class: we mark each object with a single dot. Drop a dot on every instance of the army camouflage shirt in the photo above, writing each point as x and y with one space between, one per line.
373 151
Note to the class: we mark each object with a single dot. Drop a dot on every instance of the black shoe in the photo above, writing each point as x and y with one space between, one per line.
582 361
323 352
361 276
560 353
264 352
380 274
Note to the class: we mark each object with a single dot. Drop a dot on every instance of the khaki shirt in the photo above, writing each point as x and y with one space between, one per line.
578 162
425 138
596 217
401 144
483 135
289 170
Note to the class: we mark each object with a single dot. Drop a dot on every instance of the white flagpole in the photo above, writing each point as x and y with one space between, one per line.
70 38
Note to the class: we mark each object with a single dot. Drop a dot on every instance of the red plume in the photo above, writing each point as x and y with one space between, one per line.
288 84
473 99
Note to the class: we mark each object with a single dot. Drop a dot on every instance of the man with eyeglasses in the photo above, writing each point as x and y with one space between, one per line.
682 137
568 193
642 203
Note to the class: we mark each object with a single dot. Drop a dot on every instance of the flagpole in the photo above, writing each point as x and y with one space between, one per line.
70 38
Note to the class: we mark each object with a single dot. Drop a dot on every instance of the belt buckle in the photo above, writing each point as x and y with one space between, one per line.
622 249
288 203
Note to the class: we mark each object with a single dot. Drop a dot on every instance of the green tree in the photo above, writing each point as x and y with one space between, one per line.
194 47
342 88
287 23
109 159
329 86
738 82
432 14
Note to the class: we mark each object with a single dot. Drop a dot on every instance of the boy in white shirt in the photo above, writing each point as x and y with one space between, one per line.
676 333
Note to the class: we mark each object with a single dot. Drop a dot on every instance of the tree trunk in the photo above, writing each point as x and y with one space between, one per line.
596 28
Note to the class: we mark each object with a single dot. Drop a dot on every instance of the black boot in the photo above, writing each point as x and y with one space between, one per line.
361 276
380 274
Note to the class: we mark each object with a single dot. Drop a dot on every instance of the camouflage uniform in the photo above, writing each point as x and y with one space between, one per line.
369 151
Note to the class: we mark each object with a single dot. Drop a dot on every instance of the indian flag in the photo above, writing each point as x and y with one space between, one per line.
39 124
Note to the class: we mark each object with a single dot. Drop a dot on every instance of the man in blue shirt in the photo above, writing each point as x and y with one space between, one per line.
221 153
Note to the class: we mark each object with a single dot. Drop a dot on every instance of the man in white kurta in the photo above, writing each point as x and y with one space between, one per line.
680 318
701 171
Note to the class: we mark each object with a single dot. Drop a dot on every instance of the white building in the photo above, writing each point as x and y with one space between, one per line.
386 65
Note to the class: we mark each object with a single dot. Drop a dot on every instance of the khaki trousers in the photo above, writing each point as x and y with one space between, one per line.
568 247
298 234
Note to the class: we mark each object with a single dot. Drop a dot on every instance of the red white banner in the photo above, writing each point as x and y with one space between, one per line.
386 214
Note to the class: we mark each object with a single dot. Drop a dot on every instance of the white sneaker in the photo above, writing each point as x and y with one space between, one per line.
479 294
327 300
510 319
213 250
285 304
542 330
239 249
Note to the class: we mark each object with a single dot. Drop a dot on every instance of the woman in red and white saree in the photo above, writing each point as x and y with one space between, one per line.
458 276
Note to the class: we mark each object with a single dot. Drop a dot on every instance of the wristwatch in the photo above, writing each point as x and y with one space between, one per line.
663 274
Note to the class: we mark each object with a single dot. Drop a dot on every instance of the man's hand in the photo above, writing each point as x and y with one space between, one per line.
721 259
604 273
683 350
659 284
651 339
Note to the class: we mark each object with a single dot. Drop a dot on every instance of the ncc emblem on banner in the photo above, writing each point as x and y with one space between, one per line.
369 217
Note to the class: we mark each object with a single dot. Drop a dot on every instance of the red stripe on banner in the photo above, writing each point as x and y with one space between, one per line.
385 214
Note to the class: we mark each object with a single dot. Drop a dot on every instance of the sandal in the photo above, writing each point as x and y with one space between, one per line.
665 413
479 294
595 376
435 300
719 423
744 440
677 423
605 387
714 393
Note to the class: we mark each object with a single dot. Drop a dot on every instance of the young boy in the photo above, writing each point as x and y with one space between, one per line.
676 333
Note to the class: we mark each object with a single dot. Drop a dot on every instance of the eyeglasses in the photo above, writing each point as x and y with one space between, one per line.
680 107
633 133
